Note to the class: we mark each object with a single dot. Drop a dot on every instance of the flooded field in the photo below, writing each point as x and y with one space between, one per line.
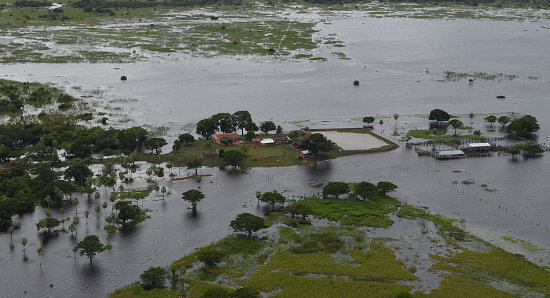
401 65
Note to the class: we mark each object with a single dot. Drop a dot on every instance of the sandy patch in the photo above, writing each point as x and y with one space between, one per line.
353 141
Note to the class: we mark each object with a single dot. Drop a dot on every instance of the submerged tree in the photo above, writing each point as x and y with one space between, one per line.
439 115
90 246
455 123
368 120
193 196
272 198
491 119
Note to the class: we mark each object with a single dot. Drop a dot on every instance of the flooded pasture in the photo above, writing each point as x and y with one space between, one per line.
400 64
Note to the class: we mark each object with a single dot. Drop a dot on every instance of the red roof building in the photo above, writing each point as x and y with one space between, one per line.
227 138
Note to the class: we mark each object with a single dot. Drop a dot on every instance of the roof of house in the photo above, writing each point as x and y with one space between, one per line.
450 152
231 135
267 141
281 138
479 145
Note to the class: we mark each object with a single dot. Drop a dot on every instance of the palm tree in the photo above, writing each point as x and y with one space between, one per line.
24 243
40 252
86 214
48 200
395 116
62 211
76 221
11 229
381 122
75 204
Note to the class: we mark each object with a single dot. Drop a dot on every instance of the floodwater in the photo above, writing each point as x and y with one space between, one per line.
390 58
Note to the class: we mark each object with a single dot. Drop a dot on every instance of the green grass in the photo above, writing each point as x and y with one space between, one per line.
458 286
378 263
159 33
523 243
507 266
354 212
273 156
138 291
438 135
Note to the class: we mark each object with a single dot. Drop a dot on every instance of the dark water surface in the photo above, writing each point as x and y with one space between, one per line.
389 57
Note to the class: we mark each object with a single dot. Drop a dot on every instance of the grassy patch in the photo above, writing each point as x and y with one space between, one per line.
458 286
523 243
438 135
138 291
354 212
507 266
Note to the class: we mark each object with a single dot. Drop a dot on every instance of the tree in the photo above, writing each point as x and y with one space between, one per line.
471 116
224 122
75 204
40 252
272 198
385 187
523 126
11 229
439 115
530 149
267 126
503 120
90 246
193 196
335 189
48 223
8 208
455 123
206 128
129 213
194 164
369 120
242 119
155 144
210 256
233 157
491 119
251 127
317 143
299 208
186 138
395 117
24 243
246 222
153 278
78 171
365 190
381 122
515 150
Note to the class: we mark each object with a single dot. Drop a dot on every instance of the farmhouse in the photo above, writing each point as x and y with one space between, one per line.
227 138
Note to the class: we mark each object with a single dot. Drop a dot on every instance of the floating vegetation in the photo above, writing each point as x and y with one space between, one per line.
451 76
523 243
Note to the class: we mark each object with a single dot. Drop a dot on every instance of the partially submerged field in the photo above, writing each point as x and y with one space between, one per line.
36 34
341 253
